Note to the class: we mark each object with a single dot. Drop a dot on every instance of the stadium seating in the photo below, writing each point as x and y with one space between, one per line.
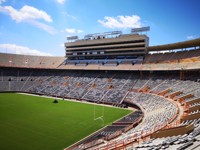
171 56
148 91
25 61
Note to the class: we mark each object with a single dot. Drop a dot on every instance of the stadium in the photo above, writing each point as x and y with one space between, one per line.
141 97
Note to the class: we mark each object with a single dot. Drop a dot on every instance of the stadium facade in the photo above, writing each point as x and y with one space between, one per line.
105 46
161 81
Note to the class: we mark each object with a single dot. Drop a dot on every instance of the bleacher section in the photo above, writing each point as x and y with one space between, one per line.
172 56
107 87
163 87
115 88
27 61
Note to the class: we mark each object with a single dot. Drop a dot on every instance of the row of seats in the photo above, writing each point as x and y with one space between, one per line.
114 129
157 111
172 56
180 142
131 118
111 87
27 61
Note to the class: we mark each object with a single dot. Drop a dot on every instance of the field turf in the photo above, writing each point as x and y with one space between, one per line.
35 123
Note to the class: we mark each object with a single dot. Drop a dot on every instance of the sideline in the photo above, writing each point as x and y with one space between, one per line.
73 100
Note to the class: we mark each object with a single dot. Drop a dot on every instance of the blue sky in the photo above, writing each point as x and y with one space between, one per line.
40 27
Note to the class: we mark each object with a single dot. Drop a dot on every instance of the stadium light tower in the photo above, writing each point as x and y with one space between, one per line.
139 30
72 38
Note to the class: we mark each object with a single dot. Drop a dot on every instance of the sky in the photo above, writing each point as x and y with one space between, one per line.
40 27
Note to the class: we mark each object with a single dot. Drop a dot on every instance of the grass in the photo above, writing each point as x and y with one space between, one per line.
35 123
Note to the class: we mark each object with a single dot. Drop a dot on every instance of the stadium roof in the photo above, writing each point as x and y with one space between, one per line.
173 46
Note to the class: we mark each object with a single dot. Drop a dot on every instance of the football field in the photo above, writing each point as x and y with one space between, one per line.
36 123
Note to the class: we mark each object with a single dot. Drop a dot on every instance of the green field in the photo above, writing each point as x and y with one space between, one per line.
35 123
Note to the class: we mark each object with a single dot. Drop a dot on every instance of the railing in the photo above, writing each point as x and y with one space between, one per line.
162 66
137 136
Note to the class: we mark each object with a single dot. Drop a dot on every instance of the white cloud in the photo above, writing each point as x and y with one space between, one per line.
69 15
73 31
16 49
61 1
43 26
121 22
30 15
190 37
26 13
62 45
2 1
